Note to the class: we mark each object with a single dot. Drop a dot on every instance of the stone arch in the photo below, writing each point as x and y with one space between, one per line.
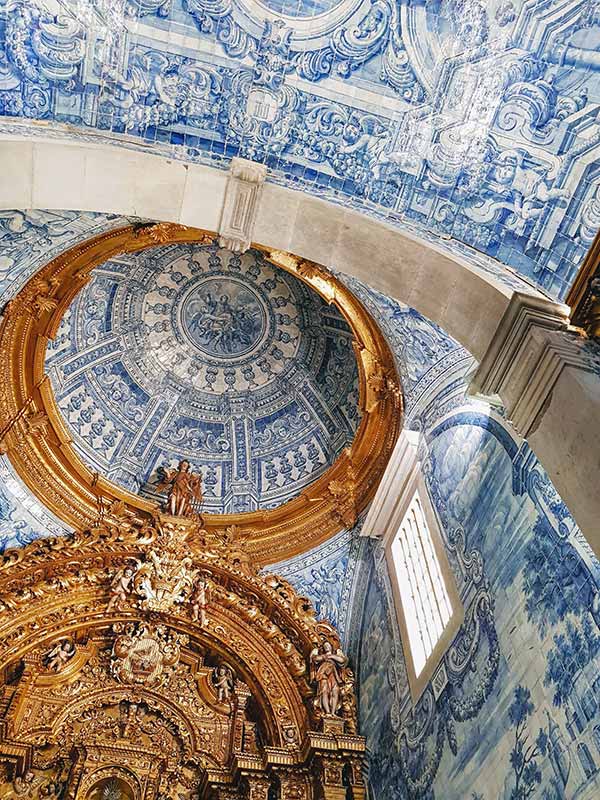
463 300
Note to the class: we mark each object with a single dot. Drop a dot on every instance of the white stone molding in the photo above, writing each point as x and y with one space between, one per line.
240 208
64 175
395 487
547 376
530 348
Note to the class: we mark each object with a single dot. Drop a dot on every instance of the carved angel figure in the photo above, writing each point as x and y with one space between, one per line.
58 655
224 681
184 488
120 588
326 668
199 601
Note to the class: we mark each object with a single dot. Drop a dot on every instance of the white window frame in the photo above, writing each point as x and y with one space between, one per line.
402 480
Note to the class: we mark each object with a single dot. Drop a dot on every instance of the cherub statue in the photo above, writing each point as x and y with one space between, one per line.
326 670
184 488
120 588
224 682
199 601
58 655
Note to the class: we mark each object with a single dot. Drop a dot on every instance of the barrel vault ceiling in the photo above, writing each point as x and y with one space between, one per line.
473 124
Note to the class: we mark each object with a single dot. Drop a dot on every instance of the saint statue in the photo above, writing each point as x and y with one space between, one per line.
184 489
327 672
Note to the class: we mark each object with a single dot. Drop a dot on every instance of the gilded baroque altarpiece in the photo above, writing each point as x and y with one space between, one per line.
155 662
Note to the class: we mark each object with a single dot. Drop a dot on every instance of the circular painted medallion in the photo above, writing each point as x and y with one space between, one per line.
224 318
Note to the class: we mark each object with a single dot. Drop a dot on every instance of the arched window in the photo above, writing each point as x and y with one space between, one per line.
427 602
587 762
597 737
588 704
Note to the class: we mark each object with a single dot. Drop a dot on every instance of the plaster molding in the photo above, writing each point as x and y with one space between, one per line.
531 347
397 483
240 207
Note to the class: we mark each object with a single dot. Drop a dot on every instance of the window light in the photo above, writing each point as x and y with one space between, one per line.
423 593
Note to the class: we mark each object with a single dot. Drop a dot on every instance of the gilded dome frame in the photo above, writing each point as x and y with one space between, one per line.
38 443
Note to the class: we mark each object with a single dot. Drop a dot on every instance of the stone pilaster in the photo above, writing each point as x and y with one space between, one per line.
246 179
547 375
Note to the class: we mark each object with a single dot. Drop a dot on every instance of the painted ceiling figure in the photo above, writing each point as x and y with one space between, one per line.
184 490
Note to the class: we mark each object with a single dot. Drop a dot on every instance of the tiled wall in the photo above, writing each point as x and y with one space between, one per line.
471 123
28 240
516 709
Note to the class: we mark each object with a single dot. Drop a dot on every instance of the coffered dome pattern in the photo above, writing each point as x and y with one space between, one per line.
190 351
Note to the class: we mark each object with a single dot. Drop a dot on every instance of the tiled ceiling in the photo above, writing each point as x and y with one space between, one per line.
192 352
472 123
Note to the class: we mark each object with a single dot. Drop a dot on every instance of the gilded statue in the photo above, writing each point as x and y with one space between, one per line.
184 490
120 589
199 601
58 655
327 672
223 680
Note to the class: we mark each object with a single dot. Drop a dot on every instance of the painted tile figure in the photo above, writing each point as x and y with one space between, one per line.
227 325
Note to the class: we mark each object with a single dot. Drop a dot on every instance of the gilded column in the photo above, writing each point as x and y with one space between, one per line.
332 779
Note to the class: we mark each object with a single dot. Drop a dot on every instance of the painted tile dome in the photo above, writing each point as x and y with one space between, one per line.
192 352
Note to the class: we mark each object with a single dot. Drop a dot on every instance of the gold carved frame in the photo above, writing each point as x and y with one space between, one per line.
75 720
38 443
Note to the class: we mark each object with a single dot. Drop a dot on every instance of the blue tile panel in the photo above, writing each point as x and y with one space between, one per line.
27 241
517 713
193 352
472 123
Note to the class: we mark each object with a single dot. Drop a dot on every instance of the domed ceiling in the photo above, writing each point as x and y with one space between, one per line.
189 351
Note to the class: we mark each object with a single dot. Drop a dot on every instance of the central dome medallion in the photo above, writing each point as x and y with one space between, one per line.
224 318
189 351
